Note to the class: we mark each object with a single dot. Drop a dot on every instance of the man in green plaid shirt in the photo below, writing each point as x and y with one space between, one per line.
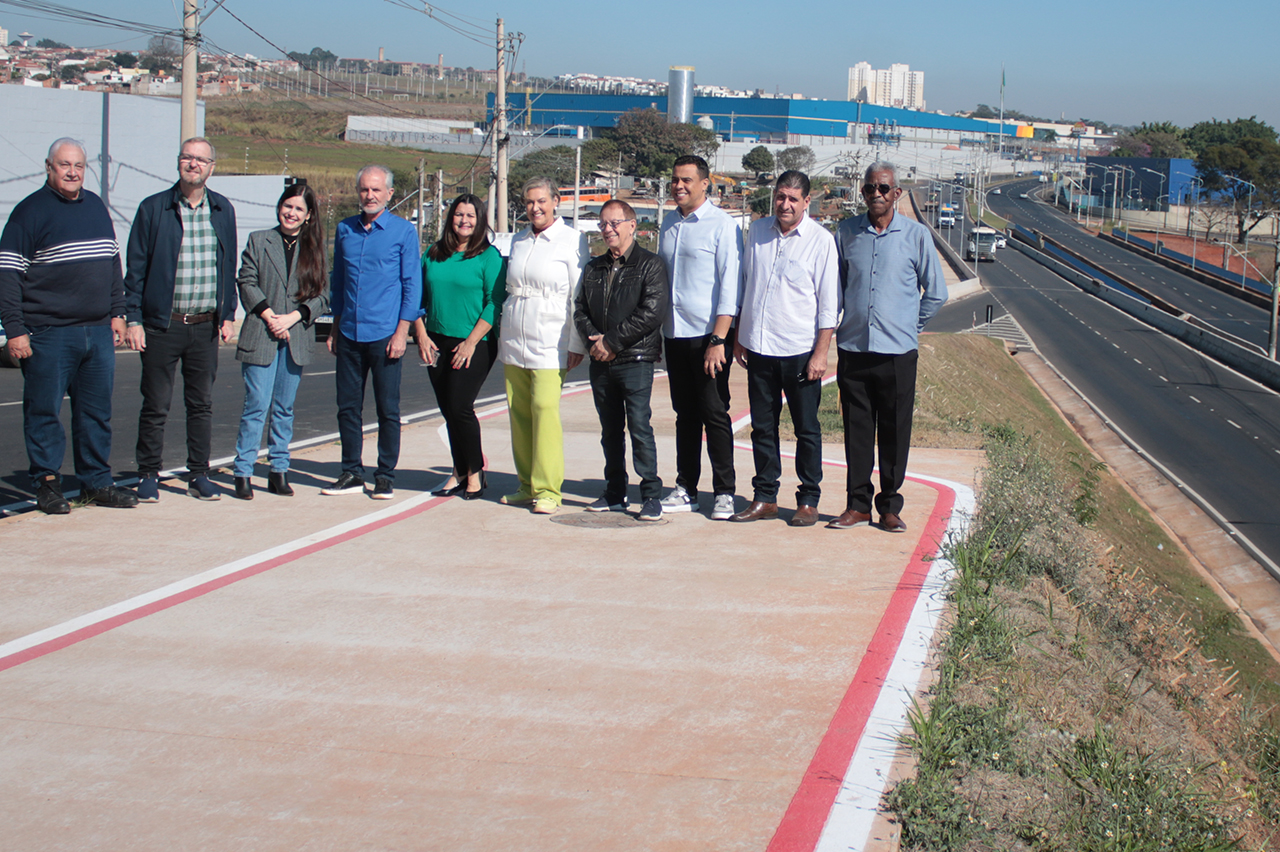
180 294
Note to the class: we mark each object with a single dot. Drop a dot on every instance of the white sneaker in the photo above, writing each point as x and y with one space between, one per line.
679 501
722 510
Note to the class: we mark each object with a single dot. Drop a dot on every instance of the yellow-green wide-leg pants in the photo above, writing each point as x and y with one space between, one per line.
537 439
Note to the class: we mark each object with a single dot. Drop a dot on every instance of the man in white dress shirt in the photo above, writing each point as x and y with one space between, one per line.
790 302
702 247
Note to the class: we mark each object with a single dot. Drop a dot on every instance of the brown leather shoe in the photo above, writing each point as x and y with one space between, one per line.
889 522
849 520
805 516
757 511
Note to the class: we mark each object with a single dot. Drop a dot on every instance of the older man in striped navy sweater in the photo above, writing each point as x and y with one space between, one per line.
62 305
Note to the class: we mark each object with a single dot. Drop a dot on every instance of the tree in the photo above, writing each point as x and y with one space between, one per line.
1253 159
51 44
1200 137
761 201
69 73
163 54
758 160
649 145
125 60
798 157
313 60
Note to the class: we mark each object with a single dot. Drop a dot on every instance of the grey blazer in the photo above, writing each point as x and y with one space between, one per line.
262 276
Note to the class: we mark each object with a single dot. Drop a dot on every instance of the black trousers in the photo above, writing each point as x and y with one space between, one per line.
877 395
622 393
196 347
700 402
456 392
768 378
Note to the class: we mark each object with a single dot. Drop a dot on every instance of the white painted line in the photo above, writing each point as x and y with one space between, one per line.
1193 399
1234 423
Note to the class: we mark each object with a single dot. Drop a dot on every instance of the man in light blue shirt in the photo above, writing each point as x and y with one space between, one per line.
376 294
702 247
892 285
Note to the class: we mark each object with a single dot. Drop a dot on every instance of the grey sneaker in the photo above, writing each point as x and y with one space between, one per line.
652 510
680 500
723 508
604 504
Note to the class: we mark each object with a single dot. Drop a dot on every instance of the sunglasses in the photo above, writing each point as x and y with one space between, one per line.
883 188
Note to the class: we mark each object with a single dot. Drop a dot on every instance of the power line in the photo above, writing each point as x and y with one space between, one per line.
54 11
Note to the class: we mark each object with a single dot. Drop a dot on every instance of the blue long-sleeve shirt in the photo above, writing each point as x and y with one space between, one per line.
891 285
377 277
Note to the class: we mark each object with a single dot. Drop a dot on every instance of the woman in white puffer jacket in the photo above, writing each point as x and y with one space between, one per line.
538 344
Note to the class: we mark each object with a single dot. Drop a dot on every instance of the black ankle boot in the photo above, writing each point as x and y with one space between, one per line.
244 490
278 483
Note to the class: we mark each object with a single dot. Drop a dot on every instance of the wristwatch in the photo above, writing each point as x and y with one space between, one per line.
715 341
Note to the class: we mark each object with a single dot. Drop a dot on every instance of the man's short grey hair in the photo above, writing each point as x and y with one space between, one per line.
386 173
536 182
213 152
62 143
881 166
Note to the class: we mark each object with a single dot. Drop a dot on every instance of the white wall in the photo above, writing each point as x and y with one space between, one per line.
140 137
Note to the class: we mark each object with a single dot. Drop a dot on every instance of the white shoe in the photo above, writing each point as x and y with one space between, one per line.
679 501
722 510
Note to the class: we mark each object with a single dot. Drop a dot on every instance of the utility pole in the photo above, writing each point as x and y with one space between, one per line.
500 134
440 222
190 68
577 178
422 184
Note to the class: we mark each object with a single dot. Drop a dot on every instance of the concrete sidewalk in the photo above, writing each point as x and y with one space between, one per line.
342 673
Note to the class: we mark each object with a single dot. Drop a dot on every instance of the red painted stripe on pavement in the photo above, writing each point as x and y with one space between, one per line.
802 824
100 627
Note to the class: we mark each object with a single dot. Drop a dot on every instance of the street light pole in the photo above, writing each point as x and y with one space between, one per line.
1248 210
1161 176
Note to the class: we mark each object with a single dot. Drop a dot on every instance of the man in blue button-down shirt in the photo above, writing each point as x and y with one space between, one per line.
376 294
892 285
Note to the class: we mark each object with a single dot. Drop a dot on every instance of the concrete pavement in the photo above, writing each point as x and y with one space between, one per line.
342 673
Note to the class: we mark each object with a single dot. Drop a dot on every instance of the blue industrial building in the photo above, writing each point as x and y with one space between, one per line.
778 120
1140 182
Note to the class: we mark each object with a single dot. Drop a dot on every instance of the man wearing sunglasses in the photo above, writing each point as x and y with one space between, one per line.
892 284
618 311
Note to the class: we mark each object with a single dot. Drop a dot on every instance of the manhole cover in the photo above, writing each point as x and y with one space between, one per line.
602 520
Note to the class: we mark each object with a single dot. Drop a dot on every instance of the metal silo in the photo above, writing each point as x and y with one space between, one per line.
680 94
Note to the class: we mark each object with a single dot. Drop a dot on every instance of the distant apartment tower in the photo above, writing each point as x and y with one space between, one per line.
897 86
4 37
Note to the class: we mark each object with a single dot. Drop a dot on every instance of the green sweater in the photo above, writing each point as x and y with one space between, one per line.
457 292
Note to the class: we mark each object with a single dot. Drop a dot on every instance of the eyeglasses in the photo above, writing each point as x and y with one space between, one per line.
883 188
192 158
615 224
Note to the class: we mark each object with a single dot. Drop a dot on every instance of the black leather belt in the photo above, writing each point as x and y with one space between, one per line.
194 319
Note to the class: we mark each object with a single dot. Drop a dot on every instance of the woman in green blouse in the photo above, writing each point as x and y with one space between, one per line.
462 292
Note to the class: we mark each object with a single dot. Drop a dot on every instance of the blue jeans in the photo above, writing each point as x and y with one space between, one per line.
80 361
274 387
768 379
622 393
355 363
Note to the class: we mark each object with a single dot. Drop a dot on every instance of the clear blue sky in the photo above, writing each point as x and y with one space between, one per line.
1112 60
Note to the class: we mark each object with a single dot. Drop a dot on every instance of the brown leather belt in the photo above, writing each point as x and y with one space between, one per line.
194 319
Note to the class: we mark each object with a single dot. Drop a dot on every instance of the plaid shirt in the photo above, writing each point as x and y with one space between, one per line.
195 287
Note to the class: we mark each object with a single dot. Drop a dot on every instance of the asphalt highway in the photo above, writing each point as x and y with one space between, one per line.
315 414
1232 315
1216 430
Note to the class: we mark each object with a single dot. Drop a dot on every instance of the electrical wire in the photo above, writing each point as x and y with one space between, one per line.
53 11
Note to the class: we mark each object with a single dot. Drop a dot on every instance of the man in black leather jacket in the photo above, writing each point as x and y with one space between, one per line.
618 311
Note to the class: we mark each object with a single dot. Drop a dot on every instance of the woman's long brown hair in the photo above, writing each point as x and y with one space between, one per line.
309 261
444 248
